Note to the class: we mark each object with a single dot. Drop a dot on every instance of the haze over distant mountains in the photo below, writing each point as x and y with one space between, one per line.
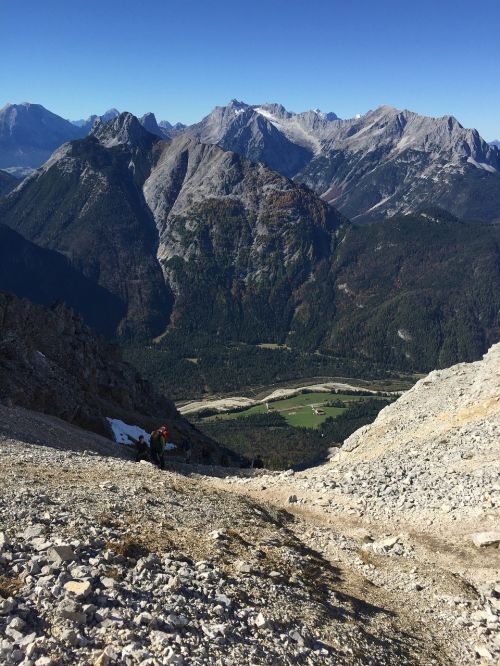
370 167
29 134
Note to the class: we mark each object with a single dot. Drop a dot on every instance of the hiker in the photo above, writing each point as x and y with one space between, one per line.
258 463
157 446
141 448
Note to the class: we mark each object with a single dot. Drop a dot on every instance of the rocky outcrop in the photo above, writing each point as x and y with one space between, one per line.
148 121
449 417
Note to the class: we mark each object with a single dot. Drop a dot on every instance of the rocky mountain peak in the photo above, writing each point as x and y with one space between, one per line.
276 110
124 129
148 121
109 114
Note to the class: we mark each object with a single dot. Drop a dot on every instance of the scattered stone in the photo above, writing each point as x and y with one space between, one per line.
78 588
59 554
482 651
260 621
485 539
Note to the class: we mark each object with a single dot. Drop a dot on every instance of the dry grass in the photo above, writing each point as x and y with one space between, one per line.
9 586
105 519
129 547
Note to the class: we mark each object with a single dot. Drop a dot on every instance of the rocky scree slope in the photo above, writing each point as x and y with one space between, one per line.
104 561
385 162
52 362
416 499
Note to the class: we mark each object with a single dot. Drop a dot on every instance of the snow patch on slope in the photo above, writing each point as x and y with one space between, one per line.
122 430
293 130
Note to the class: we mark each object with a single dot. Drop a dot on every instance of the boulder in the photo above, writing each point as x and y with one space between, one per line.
484 539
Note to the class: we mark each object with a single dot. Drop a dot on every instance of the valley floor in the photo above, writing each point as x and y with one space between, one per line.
179 567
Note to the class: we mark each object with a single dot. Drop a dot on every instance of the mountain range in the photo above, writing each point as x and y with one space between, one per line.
166 204
383 163
386 162
29 134
193 241
88 123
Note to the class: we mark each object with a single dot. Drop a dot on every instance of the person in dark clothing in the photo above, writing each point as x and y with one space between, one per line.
258 463
157 446
141 448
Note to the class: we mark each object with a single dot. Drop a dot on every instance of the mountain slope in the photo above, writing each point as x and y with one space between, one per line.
392 161
385 162
417 291
29 134
87 204
236 239
246 236
45 276
51 362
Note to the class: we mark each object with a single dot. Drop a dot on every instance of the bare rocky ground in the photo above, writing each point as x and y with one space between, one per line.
407 499
365 560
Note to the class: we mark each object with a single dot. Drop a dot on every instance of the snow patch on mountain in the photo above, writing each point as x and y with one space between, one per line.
293 130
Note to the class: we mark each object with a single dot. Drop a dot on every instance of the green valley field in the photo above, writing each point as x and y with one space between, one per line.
295 431
307 410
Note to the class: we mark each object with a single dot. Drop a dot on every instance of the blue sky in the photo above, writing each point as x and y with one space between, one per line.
180 59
